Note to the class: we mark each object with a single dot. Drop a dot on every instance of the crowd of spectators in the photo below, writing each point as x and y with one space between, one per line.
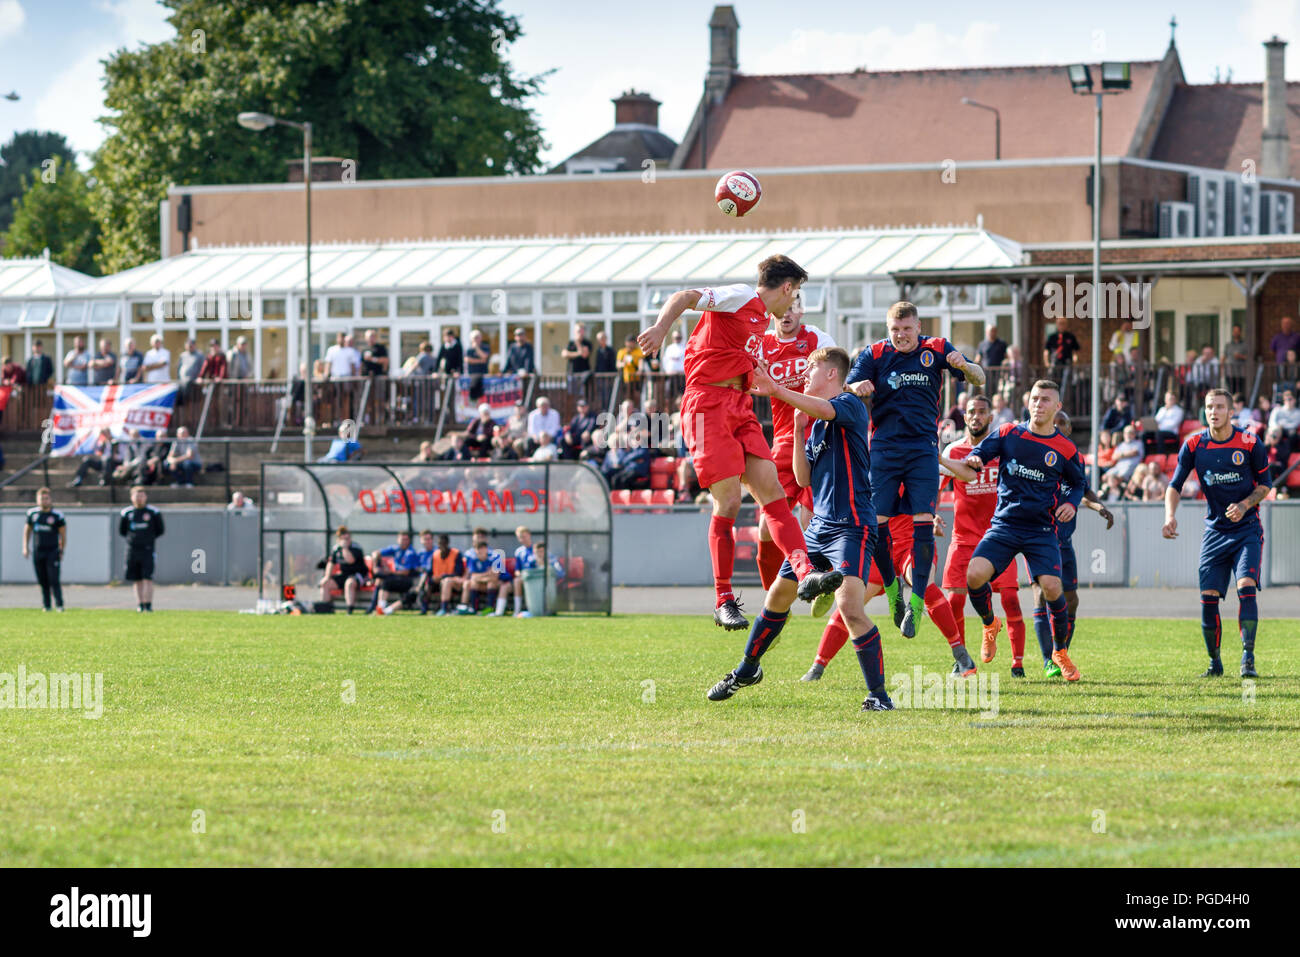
139 461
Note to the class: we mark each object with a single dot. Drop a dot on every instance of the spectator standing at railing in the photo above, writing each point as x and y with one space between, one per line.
519 359
1204 375
992 351
374 358
423 362
183 460
214 367
239 364
132 363
1060 349
1235 357
1122 340
103 368
630 360
606 359
40 368
157 362
342 358
188 368
1284 340
451 357
477 356
77 363
674 355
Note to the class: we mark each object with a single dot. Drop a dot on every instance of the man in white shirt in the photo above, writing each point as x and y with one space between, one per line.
157 362
342 358
1287 418
1169 418
543 420
674 355
1128 455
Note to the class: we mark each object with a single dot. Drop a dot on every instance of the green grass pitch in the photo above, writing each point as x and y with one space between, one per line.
231 740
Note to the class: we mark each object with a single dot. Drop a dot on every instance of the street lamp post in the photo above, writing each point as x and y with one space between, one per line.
1114 79
997 124
263 121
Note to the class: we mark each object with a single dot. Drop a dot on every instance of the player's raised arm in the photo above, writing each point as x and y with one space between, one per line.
973 373
861 373
810 405
651 339
799 463
988 450
958 470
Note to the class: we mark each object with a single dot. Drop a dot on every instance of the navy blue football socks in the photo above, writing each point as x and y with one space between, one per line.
762 636
922 555
1210 624
871 659
1060 622
981 600
883 556
1043 631
1247 617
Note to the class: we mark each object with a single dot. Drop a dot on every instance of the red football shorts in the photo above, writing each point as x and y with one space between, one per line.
795 494
954 570
721 429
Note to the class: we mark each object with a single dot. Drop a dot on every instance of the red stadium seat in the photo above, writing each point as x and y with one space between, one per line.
1188 427
663 472
659 480
1157 460
620 498
575 571
642 496
1293 480
746 542
1171 463
664 496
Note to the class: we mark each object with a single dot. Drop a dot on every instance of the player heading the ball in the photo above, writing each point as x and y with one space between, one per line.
725 440
903 374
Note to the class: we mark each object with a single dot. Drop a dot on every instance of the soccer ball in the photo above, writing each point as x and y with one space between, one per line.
737 192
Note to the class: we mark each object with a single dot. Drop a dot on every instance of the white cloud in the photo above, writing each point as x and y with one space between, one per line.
73 100
925 46
12 18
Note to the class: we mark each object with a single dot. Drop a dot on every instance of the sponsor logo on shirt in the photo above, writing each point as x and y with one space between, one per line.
788 372
1014 468
1221 478
896 380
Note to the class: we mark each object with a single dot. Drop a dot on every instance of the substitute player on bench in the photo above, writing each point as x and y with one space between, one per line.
1035 461
904 376
1233 469
50 531
726 442
835 462
786 349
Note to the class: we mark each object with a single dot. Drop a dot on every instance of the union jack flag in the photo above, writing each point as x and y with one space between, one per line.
81 411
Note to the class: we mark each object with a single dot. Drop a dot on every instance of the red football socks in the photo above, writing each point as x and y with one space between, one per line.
769 562
833 639
787 534
722 549
941 614
1015 624
957 602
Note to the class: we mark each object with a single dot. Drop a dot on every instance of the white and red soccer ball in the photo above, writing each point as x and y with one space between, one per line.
737 192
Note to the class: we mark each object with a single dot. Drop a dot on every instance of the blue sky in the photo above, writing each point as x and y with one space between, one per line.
50 49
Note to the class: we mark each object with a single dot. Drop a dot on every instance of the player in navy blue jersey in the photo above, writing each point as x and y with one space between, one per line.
1036 461
1069 569
904 377
1233 468
835 463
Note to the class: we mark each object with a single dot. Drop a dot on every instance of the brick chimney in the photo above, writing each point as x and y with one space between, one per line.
723 60
1275 153
633 108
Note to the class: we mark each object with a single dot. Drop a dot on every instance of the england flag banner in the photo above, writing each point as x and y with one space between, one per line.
82 411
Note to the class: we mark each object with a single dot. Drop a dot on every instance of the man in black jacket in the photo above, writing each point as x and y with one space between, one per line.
577 433
519 360
451 357
141 525
40 367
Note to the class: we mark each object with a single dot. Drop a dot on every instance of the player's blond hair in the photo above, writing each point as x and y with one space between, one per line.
1227 396
834 356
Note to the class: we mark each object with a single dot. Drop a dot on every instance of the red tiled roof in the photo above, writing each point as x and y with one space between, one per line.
914 116
1222 124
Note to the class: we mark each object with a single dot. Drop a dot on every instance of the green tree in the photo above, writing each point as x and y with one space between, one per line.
54 213
404 88
22 154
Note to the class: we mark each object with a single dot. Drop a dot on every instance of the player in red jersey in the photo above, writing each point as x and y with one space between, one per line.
786 349
972 514
727 444
835 634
